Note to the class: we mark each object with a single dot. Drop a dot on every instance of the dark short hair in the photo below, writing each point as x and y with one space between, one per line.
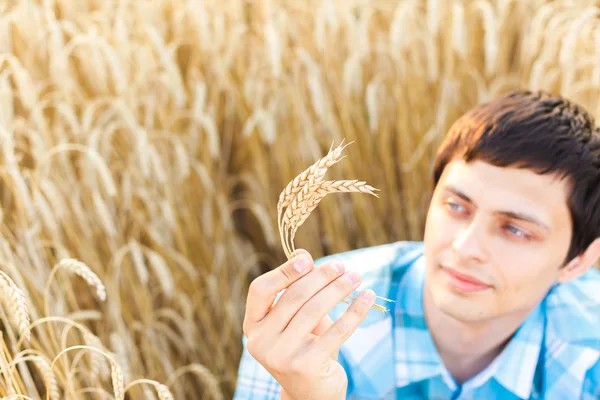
542 132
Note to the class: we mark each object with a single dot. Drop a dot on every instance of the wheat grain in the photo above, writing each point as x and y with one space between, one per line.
15 302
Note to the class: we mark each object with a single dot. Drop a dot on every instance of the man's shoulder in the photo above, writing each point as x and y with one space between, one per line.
573 311
572 341
377 259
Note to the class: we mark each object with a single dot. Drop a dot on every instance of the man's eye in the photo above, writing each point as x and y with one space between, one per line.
454 206
516 231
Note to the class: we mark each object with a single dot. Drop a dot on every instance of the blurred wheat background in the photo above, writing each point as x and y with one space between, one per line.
144 144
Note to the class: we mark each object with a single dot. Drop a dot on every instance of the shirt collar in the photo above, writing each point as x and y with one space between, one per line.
513 368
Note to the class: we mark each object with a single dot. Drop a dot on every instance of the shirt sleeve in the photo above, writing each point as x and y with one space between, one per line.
591 384
254 382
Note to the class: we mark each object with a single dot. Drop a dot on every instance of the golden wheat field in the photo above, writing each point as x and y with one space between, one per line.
145 143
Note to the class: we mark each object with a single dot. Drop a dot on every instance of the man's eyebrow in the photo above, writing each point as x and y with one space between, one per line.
457 192
510 214
524 217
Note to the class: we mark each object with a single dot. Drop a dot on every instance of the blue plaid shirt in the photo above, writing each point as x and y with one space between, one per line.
554 355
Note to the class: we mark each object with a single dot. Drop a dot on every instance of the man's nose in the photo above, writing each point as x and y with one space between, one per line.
469 241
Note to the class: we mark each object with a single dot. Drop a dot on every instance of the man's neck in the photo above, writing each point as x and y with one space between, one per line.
467 349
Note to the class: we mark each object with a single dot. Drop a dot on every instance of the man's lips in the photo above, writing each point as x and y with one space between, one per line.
464 282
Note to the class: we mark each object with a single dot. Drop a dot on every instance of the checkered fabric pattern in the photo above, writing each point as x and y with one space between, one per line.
554 355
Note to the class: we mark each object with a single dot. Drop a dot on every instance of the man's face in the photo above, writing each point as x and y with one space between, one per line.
495 240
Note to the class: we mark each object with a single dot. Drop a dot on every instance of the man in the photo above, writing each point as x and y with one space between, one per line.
500 301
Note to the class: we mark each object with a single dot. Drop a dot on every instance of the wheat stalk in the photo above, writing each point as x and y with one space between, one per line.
304 193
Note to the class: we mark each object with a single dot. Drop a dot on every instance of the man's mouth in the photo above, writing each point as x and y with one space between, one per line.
463 282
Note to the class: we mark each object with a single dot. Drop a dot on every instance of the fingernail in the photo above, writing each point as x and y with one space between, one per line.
353 276
302 264
338 266
368 296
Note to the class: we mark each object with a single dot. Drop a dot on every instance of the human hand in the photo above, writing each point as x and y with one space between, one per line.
294 339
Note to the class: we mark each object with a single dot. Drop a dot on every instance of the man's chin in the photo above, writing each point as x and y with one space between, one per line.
460 309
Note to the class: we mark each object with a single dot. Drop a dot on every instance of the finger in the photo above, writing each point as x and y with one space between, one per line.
298 294
322 326
332 339
294 253
264 289
320 304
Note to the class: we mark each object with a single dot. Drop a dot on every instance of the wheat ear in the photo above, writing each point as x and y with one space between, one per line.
164 393
16 303
312 175
303 194
117 380
49 377
80 269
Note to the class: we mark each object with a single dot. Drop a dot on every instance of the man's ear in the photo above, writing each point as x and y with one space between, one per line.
578 265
